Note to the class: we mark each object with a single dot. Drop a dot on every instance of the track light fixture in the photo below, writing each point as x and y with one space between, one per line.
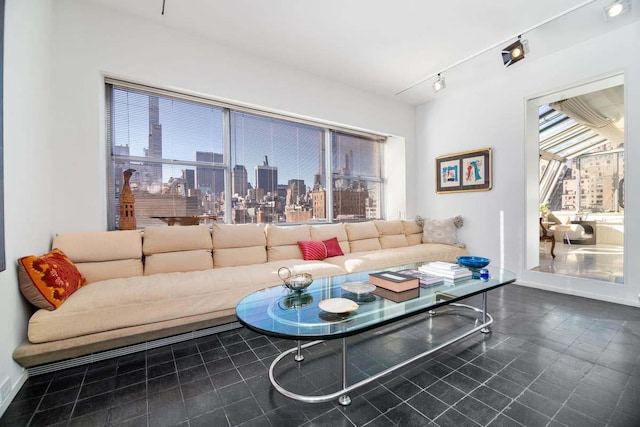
515 52
509 53
439 84
616 8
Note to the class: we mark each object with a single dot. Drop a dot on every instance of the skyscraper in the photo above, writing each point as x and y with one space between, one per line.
266 177
239 178
295 189
209 178
154 171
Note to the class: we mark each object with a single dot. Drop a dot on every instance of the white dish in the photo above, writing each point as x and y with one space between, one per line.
338 305
359 287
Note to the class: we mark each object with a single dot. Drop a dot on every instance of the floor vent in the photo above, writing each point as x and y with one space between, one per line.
122 351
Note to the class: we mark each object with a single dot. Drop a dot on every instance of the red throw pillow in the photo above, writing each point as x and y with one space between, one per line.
333 247
312 250
47 281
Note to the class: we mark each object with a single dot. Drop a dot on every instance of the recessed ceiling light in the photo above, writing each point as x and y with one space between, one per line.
616 8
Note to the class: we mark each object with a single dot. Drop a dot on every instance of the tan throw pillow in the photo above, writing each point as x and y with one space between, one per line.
441 230
47 281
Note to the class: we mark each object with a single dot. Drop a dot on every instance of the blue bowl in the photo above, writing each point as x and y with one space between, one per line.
473 261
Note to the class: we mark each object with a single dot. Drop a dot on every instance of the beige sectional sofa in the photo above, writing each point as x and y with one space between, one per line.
171 280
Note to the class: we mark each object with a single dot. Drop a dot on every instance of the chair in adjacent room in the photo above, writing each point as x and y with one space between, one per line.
547 236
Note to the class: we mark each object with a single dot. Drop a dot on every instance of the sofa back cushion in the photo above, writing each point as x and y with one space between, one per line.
282 242
176 248
328 231
391 234
103 255
413 232
162 238
363 236
238 244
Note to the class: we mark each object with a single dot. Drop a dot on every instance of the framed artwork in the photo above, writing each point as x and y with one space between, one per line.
466 171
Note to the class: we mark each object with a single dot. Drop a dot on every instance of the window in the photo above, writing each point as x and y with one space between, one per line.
277 167
191 156
356 177
175 149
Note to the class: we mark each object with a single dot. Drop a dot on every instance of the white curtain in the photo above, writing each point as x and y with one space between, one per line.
579 111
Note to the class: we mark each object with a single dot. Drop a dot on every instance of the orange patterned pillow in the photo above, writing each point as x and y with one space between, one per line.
47 281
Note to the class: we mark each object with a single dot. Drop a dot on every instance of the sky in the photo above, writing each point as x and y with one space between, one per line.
188 127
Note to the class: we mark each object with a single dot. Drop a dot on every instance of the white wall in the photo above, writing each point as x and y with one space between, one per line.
91 41
28 163
477 111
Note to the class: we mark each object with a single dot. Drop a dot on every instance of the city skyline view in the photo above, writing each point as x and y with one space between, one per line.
276 167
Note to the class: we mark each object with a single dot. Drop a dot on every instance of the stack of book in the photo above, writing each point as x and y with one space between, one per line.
426 279
395 286
449 271
396 282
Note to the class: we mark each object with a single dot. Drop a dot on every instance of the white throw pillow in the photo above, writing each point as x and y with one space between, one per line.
441 230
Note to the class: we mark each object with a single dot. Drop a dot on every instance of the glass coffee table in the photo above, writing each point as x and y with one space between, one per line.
279 312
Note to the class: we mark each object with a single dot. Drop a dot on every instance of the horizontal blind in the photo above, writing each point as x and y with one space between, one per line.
248 109
175 148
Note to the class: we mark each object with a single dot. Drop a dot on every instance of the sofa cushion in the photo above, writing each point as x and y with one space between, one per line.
282 242
363 236
238 244
99 271
333 247
312 250
169 262
100 246
238 236
103 255
129 302
327 231
393 241
389 227
47 281
162 238
440 230
391 234
413 232
376 260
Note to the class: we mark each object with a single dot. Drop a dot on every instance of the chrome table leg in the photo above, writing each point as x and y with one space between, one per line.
344 399
486 329
299 357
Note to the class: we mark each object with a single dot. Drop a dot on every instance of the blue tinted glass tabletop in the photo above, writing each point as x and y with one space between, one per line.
277 311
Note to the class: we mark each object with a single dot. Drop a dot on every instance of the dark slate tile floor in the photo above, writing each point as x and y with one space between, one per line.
551 360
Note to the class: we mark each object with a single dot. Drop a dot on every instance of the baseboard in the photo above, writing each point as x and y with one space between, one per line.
578 293
15 388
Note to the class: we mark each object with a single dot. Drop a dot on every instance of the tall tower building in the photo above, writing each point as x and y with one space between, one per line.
154 171
188 176
319 178
295 189
239 178
209 178
266 177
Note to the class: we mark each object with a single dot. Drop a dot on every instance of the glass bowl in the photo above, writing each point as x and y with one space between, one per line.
295 282
473 262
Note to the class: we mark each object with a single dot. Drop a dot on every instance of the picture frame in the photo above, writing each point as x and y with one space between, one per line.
465 171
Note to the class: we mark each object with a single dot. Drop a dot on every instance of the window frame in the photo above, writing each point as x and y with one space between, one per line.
227 107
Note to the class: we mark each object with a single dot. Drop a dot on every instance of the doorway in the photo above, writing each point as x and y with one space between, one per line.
581 182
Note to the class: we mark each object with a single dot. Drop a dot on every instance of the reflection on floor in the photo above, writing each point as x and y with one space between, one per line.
600 262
